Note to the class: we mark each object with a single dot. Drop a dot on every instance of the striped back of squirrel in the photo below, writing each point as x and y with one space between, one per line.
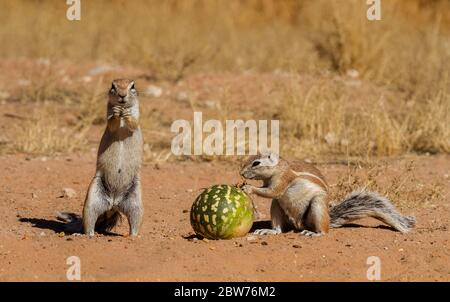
279 173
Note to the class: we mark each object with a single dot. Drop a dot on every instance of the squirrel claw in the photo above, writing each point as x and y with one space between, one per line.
126 112
240 184
266 232
116 111
247 189
310 233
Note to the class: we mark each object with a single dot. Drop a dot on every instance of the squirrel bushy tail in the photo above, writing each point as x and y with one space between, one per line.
74 223
107 221
362 203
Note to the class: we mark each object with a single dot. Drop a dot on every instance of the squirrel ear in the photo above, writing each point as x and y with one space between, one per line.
274 158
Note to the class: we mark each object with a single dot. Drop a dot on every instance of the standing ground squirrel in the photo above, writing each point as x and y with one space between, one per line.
116 186
300 199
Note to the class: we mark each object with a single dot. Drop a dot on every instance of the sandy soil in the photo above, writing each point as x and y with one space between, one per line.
32 246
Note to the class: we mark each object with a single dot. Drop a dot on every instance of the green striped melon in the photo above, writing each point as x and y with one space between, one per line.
222 212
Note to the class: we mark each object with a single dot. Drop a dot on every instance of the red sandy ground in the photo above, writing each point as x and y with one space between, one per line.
32 248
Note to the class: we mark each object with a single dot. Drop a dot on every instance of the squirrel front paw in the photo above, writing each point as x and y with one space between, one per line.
117 111
126 112
249 189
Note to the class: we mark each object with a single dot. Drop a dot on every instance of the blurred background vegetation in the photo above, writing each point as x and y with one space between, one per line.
404 58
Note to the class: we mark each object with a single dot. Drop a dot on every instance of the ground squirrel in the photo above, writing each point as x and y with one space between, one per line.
116 186
300 200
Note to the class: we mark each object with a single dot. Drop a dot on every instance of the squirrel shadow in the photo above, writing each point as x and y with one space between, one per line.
266 224
355 225
59 226
40 223
263 224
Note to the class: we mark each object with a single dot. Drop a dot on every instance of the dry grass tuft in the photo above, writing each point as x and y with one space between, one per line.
328 118
404 188
44 135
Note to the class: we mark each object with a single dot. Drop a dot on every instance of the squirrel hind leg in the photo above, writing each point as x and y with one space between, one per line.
316 220
131 206
96 204
279 220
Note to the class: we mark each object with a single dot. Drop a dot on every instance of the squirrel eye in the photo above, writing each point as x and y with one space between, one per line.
256 163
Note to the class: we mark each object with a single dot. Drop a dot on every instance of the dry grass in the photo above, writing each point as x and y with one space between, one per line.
44 135
404 188
46 131
405 57
171 37
328 118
